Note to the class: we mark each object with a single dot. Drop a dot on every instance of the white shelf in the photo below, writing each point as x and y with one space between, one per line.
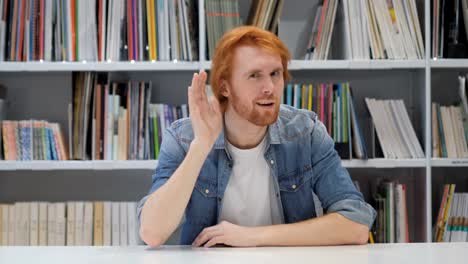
348 64
449 63
45 165
356 65
195 66
446 162
384 163
98 66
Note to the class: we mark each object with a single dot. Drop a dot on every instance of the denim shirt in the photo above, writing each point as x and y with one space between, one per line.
303 162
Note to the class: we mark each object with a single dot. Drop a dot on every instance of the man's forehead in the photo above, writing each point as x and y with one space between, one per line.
255 50
252 57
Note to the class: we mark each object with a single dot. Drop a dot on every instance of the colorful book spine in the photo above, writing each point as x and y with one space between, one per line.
26 139
289 94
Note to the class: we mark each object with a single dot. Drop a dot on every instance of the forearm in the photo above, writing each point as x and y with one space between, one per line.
330 229
164 209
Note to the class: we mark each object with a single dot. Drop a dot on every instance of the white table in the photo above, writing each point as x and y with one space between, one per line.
445 253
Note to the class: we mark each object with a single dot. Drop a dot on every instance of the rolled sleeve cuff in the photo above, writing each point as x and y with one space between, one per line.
355 210
140 206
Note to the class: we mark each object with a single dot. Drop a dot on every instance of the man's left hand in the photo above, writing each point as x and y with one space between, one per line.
227 234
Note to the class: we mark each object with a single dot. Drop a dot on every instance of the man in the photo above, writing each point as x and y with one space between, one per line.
242 171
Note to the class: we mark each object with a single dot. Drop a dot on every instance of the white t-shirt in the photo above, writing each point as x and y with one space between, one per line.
248 198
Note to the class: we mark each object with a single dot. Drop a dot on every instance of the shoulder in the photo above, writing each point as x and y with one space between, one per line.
293 122
182 130
289 113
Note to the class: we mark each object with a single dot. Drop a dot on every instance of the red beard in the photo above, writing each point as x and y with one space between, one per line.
257 114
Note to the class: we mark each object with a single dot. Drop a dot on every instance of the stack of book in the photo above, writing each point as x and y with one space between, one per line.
450 126
115 120
221 16
113 114
320 38
265 14
391 224
77 223
382 29
394 129
98 30
449 135
161 116
334 106
452 220
33 140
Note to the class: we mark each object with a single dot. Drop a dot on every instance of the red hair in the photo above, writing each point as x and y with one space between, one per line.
221 66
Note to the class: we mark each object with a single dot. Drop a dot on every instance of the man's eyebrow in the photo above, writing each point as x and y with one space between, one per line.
278 68
259 70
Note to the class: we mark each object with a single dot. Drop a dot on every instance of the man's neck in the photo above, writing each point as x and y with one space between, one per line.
240 132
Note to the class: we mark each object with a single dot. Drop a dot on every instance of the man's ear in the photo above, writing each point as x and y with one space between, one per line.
224 89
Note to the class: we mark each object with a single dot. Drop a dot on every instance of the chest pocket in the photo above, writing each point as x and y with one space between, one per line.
206 187
296 194
295 180
202 207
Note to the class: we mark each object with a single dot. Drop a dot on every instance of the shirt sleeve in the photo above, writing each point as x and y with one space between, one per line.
170 157
355 210
332 183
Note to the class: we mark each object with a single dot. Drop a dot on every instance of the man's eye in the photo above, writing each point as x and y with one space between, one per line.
254 75
275 73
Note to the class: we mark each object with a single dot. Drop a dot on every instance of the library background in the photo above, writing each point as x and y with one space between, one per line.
87 87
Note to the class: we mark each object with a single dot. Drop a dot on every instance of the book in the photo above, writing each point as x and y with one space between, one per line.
98 224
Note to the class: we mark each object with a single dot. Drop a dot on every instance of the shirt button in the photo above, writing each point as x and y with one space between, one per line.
294 186
272 162
207 191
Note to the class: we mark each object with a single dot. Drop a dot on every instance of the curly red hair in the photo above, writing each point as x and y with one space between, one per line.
221 66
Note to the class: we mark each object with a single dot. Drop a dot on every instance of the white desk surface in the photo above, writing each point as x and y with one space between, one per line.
445 253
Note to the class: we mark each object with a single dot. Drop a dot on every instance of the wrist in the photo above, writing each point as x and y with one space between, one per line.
257 235
201 146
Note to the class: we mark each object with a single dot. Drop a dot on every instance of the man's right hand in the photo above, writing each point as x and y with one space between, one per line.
205 113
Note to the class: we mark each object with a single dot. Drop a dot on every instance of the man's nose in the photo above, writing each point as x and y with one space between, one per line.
268 86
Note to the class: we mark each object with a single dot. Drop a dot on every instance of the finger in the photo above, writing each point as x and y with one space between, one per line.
194 80
197 240
202 84
214 102
214 241
202 238
196 87
199 91
205 236
193 86
191 100
190 95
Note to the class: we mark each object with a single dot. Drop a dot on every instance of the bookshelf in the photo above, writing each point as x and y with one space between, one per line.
98 165
42 90
44 165
98 66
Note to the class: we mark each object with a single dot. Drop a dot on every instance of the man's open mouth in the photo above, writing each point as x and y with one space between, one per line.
265 103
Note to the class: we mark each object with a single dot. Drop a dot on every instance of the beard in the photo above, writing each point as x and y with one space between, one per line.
254 113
